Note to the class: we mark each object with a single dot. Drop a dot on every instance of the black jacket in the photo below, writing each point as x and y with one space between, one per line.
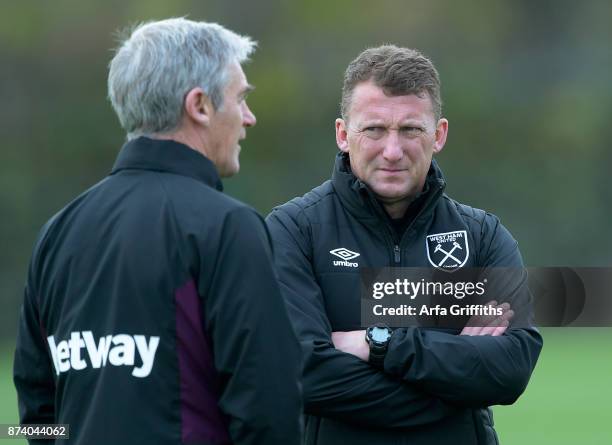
152 313
436 386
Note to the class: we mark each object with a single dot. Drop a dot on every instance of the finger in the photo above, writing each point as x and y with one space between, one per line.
477 322
488 330
499 324
504 307
503 311
469 330
500 329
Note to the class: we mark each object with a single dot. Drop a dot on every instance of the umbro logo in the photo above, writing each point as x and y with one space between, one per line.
345 255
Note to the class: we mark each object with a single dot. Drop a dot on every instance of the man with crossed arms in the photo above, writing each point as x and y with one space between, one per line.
383 206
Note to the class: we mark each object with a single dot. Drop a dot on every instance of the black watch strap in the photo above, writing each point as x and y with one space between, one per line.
377 355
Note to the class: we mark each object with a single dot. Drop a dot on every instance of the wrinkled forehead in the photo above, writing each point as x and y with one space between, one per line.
371 102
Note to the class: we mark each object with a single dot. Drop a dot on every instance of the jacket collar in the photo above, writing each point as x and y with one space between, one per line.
167 156
361 202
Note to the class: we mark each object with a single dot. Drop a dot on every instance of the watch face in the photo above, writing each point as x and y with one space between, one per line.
379 334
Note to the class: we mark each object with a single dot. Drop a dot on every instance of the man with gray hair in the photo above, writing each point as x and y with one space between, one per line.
385 207
151 312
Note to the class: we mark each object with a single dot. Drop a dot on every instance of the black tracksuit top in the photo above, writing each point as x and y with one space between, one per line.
436 386
152 313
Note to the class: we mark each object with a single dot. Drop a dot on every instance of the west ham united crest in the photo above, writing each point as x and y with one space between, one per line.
448 251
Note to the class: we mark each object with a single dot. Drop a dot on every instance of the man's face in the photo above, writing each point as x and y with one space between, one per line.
228 123
390 141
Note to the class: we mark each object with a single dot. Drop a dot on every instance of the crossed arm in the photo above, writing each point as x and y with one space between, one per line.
354 342
490 362
485 365
335 384
428 374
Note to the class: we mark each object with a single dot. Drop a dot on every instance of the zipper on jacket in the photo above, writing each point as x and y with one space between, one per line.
397 254
432 198
377 209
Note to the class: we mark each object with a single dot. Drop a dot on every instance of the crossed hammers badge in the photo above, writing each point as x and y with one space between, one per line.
449 250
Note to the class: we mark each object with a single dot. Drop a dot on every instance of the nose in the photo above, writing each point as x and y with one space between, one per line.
248 118
392 151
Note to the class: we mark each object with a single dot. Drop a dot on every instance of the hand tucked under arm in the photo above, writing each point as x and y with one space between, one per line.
352 342
489 325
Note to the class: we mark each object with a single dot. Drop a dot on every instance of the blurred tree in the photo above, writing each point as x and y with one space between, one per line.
525 86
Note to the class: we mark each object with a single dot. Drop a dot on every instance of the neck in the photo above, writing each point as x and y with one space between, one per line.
396 208
186 137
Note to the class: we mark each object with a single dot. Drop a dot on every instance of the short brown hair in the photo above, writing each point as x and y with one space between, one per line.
398 71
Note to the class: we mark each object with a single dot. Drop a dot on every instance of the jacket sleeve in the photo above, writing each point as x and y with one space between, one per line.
255 349
339 385
474 371
33 372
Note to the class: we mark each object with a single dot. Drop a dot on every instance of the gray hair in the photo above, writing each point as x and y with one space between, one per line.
160 62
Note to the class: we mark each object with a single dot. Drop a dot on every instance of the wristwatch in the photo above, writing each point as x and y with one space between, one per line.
378 337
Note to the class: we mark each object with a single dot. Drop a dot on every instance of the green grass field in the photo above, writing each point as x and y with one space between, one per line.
569 399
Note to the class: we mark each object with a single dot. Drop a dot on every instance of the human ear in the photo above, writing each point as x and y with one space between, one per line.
341 135
198 106
441 133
